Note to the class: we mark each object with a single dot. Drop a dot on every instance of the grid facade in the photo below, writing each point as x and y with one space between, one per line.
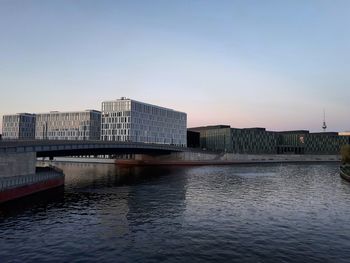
324 143
216 139
130 120
225 139
253 141
259 141
80 125
19 126
292 142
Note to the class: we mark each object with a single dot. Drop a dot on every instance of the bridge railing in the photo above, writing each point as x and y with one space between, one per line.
7 143
58 145
9 146
22 180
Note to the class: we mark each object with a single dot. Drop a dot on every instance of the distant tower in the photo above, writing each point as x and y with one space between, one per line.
324 126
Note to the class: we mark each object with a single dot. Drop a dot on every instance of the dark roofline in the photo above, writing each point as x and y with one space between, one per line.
209 127
293 132
255 128
325 133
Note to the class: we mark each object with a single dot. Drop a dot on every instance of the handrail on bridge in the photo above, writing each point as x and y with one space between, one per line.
11 146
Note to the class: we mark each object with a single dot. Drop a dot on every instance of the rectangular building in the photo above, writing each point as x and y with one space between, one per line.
324 143
19 126
79 125
304 142
215 137
292 142
223 138
130 120
253 141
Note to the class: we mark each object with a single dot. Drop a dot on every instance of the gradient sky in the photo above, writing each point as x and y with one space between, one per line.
273 64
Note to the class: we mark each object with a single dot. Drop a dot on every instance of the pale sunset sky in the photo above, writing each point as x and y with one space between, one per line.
273 64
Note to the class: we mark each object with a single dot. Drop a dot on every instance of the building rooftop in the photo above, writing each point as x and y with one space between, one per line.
209 127
256 128
21 114
294 131
325 133
78 111
148 104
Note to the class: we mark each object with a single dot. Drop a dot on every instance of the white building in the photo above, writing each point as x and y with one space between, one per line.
131 120
18 126
79 125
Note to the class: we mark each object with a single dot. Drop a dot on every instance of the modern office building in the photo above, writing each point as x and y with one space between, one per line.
79 125
253 141
19 126
214 137
223 138
291 142
304 142
130 120
324 142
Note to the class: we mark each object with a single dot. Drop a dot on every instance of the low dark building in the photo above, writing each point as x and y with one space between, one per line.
223 138
214 138
253 141
291 142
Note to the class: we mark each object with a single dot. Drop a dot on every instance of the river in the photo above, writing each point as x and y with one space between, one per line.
247 213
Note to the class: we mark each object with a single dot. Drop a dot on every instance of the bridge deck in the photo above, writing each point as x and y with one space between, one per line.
68 148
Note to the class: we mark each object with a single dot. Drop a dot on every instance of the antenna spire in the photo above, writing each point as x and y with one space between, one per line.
324 126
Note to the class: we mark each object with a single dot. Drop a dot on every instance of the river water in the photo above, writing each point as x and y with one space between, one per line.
251 213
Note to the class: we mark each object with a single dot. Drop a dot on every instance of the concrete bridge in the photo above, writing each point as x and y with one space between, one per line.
19 175
53 148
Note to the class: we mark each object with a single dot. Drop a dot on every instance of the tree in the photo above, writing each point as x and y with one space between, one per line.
345 154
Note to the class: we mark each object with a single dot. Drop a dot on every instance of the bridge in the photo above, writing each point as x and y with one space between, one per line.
53 148
19 175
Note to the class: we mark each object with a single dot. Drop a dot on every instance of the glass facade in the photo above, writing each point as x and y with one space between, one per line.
253 141
326 143
18 126
259 141
80 125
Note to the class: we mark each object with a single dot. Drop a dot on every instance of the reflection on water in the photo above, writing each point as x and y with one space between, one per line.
276 213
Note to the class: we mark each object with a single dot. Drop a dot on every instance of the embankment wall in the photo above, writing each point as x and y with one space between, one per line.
17 164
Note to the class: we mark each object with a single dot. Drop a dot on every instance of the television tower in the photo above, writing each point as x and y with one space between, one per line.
324 126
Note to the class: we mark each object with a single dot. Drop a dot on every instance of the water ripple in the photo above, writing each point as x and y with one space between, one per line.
269 213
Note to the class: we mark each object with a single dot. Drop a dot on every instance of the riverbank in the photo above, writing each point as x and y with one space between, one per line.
44 178
205 159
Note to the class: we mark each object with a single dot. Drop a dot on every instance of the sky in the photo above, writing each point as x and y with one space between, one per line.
273 64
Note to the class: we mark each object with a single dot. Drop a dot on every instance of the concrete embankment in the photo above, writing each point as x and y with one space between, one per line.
202 158
197 158
20 177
